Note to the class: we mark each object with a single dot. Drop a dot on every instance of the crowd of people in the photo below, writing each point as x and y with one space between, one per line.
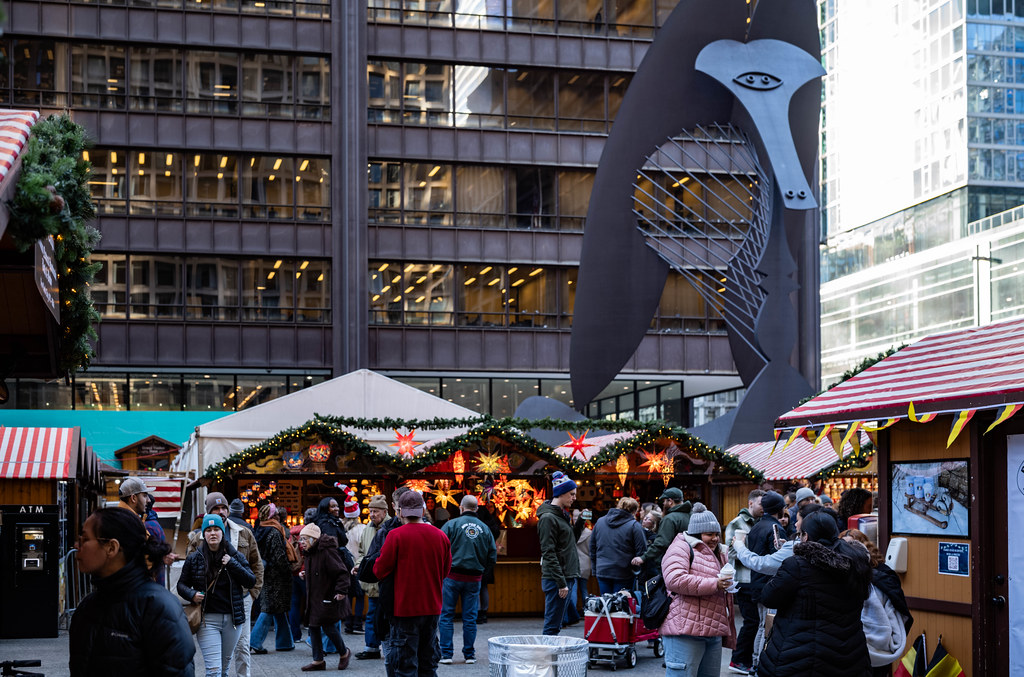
813 596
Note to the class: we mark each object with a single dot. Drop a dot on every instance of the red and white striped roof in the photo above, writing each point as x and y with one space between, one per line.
799 460
167 492
14 131
978 368
39 453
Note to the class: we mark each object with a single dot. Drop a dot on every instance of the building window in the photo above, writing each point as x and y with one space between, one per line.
156 183
155 79
98 76
211 289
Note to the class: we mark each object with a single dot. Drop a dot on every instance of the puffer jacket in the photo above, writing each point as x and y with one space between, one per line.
617 539
193 579
698 607
559 560
817 627
130 625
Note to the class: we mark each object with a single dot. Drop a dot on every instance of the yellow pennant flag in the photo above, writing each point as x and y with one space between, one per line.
872 430
797 432
958 425
825 432
833 437
923 418
1004 413
851 430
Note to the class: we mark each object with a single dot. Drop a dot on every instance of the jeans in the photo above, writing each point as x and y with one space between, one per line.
451 593
613 585
762 611
328 643
414 650
744 651
217 637
242 654
371 639
554 606
689 656
295 613
355 620
318 643
572 614
282 633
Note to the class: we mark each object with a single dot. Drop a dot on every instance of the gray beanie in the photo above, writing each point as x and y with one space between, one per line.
703 521
236 508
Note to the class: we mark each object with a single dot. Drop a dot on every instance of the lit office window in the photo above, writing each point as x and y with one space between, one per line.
533 297
211 82
428 290
428 193
531 99
313 189
484 295
212 181
107 179
40 72
155 181
267 185
98 76
267 289
155 79
313 291
386 293
480 196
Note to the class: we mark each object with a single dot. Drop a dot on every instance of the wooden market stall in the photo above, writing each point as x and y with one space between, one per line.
951 483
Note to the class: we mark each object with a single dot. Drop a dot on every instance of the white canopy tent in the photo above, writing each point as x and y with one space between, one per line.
358 394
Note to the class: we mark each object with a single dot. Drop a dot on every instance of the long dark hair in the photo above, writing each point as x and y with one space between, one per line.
323 511
138 548
852 503
821 527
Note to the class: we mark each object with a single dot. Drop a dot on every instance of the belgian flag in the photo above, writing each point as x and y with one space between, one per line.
943 665
913 663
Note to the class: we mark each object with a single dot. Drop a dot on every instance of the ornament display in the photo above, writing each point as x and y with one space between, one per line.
459 466
444 494
421 486
319 452
622 468
492 464
578 444
406 445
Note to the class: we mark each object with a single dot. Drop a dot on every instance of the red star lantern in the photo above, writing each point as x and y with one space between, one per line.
406 445
458 465
577 445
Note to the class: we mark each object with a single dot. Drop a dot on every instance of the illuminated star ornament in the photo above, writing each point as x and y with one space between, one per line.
655 462
406 445
444 494
420 486
577 444
491 464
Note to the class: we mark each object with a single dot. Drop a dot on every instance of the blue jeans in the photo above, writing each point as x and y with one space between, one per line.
689 656
451 593
217 637
372 641
613 585
572 614
554 606
295 613
355 621
414 651
282 633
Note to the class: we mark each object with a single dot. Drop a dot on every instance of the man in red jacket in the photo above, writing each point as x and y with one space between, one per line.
419 555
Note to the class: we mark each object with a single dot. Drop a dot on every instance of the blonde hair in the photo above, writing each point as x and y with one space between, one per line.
629 504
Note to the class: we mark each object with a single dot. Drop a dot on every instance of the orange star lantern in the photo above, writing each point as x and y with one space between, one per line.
655 462
422 486
577 444
406 445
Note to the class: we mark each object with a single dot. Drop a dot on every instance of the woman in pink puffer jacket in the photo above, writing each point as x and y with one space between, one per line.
701 612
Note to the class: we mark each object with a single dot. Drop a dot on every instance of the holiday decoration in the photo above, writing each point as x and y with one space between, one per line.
655 462
444 494
577 444
491 464
459 466
319 452
622 467
421 486
406 445
292 459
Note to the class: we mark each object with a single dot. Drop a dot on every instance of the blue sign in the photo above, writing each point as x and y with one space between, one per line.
955 559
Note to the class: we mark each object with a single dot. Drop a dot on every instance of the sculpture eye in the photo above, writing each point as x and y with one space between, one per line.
757 80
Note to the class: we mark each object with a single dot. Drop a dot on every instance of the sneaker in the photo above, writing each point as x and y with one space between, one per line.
259 651
470 661
740 668
368 654
445 661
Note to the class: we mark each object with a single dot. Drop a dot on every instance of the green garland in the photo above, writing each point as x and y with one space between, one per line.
52 198
329 429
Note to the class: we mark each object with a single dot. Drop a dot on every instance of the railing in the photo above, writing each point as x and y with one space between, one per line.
76 587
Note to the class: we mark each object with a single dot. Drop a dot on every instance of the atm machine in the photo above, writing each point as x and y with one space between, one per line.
29 571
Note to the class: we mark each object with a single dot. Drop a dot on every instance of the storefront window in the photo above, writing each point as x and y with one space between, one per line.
253 390
509 394
557 390
472 393
100 391
98 76
156 183
208 392
28 393
155 392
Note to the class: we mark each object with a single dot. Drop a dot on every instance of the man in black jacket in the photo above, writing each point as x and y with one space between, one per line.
765 537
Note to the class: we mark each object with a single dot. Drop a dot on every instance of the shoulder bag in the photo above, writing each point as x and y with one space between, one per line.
194 612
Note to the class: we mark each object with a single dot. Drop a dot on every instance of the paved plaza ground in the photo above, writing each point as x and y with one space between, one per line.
54 654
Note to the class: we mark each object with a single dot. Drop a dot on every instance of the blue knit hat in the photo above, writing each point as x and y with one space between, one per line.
211 520
561 484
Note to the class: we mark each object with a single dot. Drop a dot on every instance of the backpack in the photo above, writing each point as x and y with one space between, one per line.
656 600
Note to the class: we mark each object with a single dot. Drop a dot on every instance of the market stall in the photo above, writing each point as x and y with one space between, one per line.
950 467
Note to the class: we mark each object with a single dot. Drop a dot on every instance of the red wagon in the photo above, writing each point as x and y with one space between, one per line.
613 627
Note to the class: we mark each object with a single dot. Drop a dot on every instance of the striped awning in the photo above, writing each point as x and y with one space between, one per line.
799 460
167 492
38 453
14 131
949 373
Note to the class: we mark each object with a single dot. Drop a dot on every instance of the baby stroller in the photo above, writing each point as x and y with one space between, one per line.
613 627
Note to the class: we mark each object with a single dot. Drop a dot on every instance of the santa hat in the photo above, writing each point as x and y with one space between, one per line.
351 509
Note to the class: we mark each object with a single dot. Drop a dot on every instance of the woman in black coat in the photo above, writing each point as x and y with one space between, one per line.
818 594
128 625
328 518
217 576
276 596
327 580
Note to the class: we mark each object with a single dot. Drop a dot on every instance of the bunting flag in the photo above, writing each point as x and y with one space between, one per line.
913 663
889 422
923 418
825 432
851 430
834 436
942 664
1004 413
958 424
777 433
797 432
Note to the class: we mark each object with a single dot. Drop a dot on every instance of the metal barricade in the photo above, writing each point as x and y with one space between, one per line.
76 586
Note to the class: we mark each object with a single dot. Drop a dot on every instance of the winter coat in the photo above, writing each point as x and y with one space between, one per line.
674 522
885 617
765 537
329 524
326 576
243 540
583 552
740 524
365 540
817 626
473 548
193 578
559 561
277 571
129 625
617 539
386 587
698 607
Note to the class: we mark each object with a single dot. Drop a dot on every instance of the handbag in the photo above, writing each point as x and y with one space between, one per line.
655 602
194 612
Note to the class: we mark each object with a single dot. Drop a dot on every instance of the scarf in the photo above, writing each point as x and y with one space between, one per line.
292 555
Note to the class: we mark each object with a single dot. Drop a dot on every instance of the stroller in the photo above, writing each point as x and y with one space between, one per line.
613 627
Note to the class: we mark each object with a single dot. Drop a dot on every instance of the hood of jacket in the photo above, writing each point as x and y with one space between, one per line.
618 518
685 506
547 508
824 557
745 515
326 542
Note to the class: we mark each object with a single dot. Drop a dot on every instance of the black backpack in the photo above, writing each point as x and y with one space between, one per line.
656 600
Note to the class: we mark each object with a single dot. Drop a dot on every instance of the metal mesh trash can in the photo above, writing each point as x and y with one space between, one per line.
537 656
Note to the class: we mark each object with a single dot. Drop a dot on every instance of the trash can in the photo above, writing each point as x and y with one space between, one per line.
537 656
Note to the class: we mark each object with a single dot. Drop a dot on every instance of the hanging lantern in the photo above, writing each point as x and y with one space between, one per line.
406 445
578 444
292 459
459 466
319 452
622 467
420 486
668 471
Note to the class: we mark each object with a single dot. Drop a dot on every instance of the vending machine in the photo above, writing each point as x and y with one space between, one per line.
29 571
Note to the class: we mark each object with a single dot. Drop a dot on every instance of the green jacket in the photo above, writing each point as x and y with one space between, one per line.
559 560
674 522
473 548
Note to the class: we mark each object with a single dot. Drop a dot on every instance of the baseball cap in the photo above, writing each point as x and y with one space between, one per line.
410 504
131 486
675 493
